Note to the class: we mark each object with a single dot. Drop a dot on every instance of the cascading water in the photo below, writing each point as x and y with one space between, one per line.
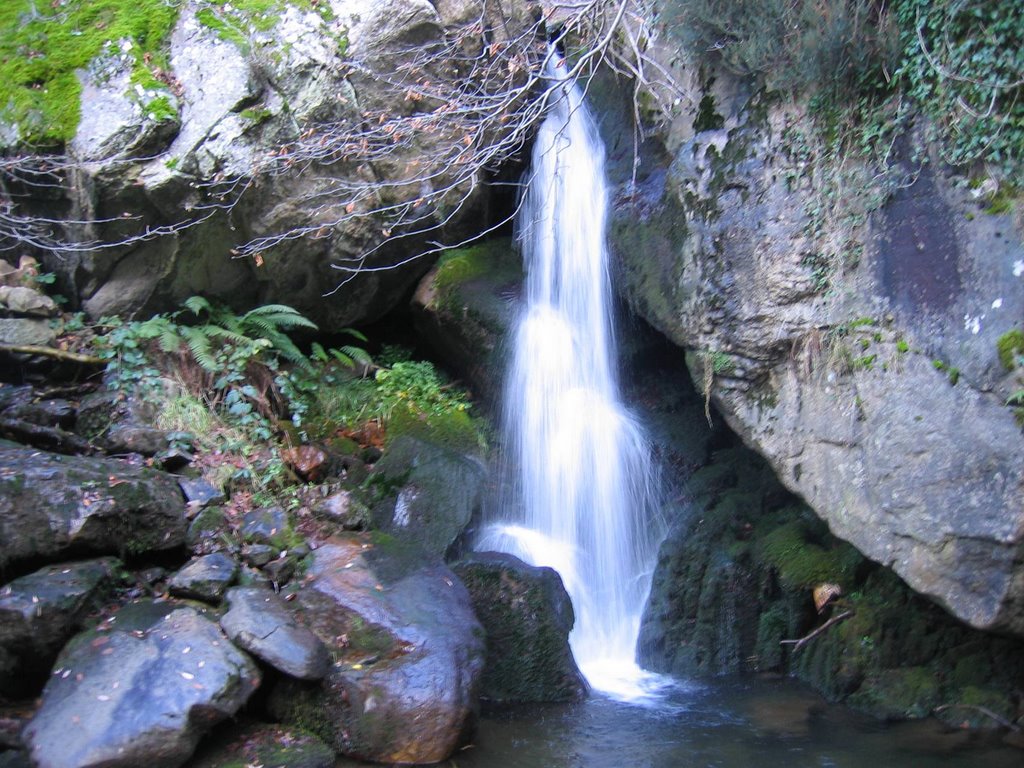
585 501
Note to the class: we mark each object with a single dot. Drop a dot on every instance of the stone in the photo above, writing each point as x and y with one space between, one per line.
199 491
344 508
280 571
440 490
125 421
46 413
306 460
268 525
205 578
261 623
40 611
870 379
27 301
527 616
465 308
139 697
269 746
23 332
209 531
258 555
52 506
409 653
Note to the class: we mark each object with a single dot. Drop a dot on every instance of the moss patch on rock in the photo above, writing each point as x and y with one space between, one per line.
737 579
43 48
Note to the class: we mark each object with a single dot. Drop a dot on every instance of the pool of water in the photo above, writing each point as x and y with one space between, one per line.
759 724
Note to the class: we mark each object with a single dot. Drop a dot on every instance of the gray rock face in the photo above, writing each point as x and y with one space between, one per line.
527 616
261 623
205 578
234 108
410 653
52 506
856 349
440 490
122 698
40 611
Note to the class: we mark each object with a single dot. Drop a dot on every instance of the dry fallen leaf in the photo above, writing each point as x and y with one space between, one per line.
824 594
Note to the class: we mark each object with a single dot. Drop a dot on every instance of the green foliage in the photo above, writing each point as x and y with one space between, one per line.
1010 348
42 45
963 62
860 63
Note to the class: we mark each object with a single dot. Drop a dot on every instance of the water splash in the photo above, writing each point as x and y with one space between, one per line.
585 492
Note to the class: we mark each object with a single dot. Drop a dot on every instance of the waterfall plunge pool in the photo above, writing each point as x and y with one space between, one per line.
747 723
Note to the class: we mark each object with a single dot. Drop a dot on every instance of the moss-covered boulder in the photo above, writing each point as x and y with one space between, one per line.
53 506
269 746
527 616
425 492
465 307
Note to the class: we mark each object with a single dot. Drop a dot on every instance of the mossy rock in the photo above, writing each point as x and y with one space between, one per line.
527 616
898 694
1009 346
269 746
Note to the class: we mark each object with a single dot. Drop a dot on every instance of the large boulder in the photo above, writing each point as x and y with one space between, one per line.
428 491
527 616
142 693
260 622
849 329
465 308
40 611
280 128
52 506
409 653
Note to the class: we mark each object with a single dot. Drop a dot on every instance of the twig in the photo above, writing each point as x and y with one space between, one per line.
798 644
59 354
985 711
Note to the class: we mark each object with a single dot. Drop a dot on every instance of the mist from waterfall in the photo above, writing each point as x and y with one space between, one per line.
584 500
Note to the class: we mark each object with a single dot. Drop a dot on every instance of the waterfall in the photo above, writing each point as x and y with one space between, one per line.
585 486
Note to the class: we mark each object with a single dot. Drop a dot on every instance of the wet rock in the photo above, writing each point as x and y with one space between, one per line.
45 413
258 555
123 698
52 506
260 622
410 653
125 422
438 490
281 570
205 578
343 508
269 746
268 525
40 611
198 491
858 351
527 616
208 530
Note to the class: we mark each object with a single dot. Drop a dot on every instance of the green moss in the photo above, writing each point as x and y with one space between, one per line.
455 430
42 49
707 118
801 562
236 21
1009 346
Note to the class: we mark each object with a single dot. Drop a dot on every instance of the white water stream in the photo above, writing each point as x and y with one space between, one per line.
585 500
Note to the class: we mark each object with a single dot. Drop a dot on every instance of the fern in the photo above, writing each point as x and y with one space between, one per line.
201 347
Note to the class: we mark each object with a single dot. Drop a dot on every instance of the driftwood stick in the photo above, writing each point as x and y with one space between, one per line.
985 711
798 644
59 354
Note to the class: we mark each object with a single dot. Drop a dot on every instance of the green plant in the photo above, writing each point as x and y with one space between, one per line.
1010 348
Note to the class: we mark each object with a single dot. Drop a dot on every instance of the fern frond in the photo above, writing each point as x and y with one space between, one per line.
198 305
199 344
356 354
357 335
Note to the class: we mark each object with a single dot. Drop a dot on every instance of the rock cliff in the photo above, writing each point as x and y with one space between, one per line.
857 325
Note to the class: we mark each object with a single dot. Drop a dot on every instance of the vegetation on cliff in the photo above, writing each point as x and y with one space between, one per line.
867 66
